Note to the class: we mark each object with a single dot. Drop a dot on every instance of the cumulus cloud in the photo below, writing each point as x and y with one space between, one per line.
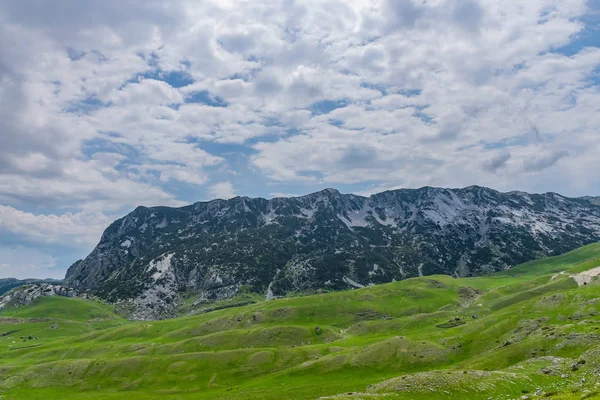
105 105
544 160
282 194
222 190
69 229
496 161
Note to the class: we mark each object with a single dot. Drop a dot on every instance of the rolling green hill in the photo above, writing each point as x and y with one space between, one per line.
530 332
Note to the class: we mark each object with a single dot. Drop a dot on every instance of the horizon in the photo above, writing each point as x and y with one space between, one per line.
61 277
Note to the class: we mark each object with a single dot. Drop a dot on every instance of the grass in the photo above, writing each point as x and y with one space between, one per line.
525 332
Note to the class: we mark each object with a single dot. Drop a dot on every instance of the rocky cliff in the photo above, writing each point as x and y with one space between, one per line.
7 284
324 240
27 294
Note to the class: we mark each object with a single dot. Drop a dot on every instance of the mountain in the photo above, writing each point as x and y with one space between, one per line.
26 294
8 284
593 200
324 241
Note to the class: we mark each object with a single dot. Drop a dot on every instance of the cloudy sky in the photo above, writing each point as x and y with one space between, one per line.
110 104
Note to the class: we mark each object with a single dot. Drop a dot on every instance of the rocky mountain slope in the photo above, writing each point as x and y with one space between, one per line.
325 240
7 284
26 294
593 200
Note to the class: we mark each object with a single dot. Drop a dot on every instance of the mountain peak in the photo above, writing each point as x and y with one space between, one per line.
325 240
327 192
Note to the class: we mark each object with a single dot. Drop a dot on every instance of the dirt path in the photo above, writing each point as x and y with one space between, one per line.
586 277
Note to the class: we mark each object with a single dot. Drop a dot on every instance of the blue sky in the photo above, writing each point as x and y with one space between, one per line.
107 105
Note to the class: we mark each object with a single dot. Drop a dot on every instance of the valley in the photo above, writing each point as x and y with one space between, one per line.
527 333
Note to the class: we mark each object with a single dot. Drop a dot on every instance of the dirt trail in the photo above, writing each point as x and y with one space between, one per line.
586 277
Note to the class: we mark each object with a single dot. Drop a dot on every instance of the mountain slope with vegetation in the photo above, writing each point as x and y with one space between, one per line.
154 257
8 284
529 333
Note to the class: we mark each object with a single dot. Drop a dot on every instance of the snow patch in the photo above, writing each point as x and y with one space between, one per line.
127 243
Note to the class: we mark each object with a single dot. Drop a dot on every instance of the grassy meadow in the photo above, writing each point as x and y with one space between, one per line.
527 333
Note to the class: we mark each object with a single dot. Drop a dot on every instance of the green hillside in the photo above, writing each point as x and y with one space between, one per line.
527 333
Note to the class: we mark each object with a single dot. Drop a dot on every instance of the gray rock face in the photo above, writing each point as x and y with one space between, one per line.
325 240
7 284
593 200
27 294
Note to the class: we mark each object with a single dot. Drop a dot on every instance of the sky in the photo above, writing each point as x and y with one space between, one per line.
110 104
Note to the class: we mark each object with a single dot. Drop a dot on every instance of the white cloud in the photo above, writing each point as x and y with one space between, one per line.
475 87
222 190
445 92
81 184
160 93
22 262
282 194
72 230
419 80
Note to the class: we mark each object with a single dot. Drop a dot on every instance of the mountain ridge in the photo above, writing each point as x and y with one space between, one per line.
324 241
7 284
